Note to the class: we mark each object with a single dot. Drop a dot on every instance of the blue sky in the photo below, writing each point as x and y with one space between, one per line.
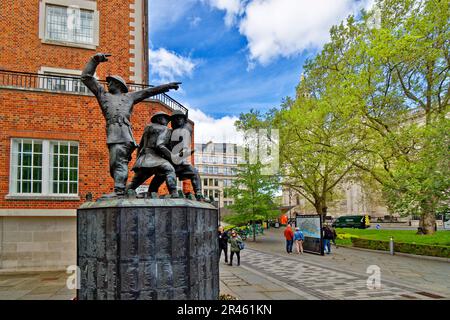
235 55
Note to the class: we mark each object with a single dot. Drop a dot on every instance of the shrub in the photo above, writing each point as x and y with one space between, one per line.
345 236
411 248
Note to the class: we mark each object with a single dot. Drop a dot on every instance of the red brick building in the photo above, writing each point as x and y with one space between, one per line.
52 140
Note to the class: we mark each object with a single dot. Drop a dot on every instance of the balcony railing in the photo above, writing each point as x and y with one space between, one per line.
59 83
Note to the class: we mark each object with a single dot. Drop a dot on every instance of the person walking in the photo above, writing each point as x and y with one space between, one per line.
328 236
235 247
299 238
289 235
223 243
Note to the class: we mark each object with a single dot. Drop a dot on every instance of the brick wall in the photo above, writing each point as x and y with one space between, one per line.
22 49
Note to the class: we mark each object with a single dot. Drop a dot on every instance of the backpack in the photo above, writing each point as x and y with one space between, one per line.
241 245
328 234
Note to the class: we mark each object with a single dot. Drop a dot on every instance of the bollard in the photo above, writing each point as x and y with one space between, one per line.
391 246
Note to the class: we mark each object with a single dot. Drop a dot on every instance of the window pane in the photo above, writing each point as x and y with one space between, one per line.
37 160
55 174
55 149
74 162
73 187
26 187
63 149
55 187
62 187
57 23
63 161
63 175
37 147
26 159
73 175
27 147
26 173
37 187
37 173
73 150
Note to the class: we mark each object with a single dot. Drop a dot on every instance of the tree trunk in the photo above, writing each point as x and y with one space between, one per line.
321 209
254 232
427 222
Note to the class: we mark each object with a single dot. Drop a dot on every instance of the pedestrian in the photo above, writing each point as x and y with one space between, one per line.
328 236
236 244
289 235
299 238
223 243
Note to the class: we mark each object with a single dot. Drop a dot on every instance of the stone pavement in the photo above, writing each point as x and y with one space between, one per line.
268 273
427 276
246 284
325 283
35 286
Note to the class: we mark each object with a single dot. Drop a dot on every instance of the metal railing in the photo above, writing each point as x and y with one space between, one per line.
68 84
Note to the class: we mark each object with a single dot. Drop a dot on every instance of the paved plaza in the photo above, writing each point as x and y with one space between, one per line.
431 277
268 273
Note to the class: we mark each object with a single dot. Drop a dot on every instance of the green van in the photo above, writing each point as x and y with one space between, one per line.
361 222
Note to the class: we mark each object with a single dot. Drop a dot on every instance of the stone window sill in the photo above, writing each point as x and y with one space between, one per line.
70 44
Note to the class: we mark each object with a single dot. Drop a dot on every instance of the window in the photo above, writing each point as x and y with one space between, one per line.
205 182
69 22
62 82
26 166
216 182
64 164
43 167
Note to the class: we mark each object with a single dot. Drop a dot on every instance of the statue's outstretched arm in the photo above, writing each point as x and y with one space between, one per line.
87 76
138 96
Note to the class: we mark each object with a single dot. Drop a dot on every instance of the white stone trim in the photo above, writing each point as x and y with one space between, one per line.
136 66
82 4
61 71
38 212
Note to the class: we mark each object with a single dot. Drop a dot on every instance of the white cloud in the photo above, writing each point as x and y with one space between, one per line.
169 66
232 8
285 28
217 130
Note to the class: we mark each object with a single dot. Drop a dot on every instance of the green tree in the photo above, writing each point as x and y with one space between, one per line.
316 142
394 79
253 194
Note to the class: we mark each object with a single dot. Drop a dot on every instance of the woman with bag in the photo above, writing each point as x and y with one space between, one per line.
236 245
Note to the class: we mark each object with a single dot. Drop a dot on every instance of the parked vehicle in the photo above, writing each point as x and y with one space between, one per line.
361 222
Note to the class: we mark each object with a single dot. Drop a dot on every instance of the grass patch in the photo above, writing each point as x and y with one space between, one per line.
440 238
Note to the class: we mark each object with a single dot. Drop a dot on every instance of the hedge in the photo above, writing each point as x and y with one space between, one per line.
418 249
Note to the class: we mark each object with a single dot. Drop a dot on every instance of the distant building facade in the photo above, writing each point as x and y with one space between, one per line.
350 199
217 164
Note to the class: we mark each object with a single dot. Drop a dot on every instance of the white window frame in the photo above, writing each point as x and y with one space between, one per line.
81 4
46 188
